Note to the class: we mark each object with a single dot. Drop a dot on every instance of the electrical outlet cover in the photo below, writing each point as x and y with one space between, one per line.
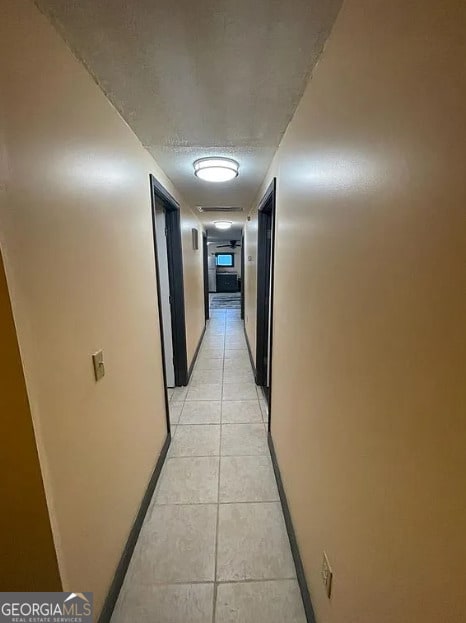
99 367
327 575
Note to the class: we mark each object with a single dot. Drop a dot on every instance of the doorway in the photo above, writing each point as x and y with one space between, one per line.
205 257
265 276
170 288
242 276
224 269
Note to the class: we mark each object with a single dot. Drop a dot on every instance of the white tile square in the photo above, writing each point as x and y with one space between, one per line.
239 391
201 377
239 375
230 365
179 394
176 544
253 543
218 328
247 479
206 363
239 345
188 480
214 343
273 601
201 412
169 603
205 391
196 440
211 353
243 440
241 412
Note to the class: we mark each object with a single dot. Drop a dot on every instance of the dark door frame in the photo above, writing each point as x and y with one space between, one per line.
265 283
242 276
175 278
205 251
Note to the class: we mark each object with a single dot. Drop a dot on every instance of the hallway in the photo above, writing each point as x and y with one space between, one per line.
213 547
300 165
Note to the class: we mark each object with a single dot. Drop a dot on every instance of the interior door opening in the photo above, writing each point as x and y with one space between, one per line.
205 258
170 288
164 284
242 276
224 269
265 275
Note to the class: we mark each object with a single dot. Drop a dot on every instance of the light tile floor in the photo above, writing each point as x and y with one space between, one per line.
213 547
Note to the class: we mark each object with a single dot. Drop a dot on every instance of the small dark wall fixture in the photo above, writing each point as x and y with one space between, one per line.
195 236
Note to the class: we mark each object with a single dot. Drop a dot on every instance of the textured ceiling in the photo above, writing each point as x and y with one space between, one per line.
214 235
201 78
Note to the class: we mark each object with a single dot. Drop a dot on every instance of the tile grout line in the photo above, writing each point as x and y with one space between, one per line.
232 581
276 501
214 605
210 456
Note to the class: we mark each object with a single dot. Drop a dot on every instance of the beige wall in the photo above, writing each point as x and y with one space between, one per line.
28 560
369 392
193 275
75 230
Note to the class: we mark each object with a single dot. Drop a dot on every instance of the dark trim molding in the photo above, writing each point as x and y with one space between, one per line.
242 277
196 353
175 276
266 216
269 195
308 609
163 192
153 182
175 273
273 190
122 567
253 366
205 264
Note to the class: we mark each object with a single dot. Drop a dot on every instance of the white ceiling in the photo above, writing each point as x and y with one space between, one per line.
201 78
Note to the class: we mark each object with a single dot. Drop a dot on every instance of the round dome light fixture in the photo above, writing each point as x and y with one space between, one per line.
216 169
223 224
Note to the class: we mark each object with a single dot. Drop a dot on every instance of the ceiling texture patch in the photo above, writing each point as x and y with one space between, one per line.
201 79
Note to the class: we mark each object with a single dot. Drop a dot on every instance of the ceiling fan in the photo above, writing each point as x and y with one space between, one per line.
233 245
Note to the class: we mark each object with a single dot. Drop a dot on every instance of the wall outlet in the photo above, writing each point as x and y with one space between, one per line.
327 575
98 362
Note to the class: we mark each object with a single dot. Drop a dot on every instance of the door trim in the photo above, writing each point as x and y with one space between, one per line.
175 276
242 276
205 252
267 206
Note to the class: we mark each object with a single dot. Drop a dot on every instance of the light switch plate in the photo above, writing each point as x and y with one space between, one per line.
99 367
327 575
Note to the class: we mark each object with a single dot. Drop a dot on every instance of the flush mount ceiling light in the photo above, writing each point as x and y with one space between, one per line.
223 224
216 169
